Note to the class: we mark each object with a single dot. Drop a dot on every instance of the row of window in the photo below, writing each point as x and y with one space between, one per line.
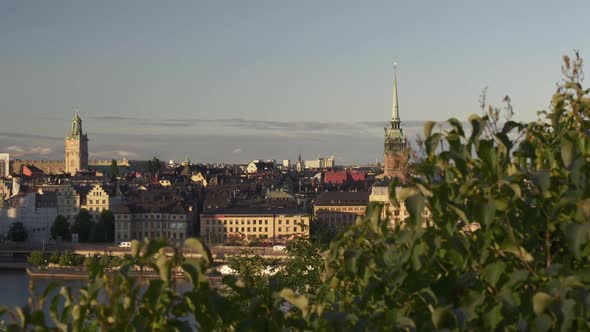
153 235
251 229
247 222
104 201
153 225
149 216
339 208
67 201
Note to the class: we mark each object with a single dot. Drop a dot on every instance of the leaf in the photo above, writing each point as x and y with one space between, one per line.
476 127
192 273
492 272
432 143
135 246
519 252
510 125
541 323
577 236
517 277
299 301
350 261
485 212
415 205
428 128
488 154
197 246
456 124
443 318
164 264
541 301
567 151
418 251
493 317
460 213
405 323
543 180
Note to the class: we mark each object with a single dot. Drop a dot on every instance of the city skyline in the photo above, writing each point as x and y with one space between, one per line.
224 83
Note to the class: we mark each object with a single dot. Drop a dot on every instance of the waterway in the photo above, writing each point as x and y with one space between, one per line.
14 285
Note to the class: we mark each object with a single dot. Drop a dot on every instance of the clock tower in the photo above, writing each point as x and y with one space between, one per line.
76 147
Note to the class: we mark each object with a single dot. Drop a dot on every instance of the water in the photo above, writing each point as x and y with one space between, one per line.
14 285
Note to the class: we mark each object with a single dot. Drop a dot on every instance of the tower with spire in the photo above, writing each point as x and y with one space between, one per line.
395 158
76 143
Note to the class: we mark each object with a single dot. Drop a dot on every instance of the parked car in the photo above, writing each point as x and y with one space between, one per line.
124 244
279 248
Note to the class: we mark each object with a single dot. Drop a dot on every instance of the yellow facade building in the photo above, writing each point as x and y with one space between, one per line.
255 223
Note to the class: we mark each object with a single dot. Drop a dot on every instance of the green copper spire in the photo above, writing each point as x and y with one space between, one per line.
76 126
394 135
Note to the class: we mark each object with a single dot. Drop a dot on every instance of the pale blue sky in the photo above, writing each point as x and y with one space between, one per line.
240 80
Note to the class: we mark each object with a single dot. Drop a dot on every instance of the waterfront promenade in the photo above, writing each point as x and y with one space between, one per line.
14 252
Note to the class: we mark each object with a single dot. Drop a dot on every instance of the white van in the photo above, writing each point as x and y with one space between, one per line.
125 245
279 248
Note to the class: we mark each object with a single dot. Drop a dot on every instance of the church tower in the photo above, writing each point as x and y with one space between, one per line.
395 158
76 147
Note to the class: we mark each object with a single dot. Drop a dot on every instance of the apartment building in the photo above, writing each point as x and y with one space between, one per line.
254 223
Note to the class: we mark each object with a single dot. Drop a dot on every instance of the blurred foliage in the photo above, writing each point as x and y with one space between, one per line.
507 248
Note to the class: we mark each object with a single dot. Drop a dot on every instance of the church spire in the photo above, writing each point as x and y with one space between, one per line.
395 120
76 125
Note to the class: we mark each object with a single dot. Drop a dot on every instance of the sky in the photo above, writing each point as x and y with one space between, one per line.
233 81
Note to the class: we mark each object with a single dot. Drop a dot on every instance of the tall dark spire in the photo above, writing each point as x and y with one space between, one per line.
394 136
395 120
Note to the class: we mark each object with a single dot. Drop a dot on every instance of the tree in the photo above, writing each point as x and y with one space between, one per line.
108 220
83 225
98 232
61 229
54 258
114 170
154 167
17 232
67 259
37 258
104 229
303 269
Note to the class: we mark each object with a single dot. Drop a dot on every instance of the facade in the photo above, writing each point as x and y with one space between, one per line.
36 211
258 166
4 165
380 194
395 158
76 144
340 209
251 223
68 202
199 178
321 163
96 201
137 225
5 190
299 165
